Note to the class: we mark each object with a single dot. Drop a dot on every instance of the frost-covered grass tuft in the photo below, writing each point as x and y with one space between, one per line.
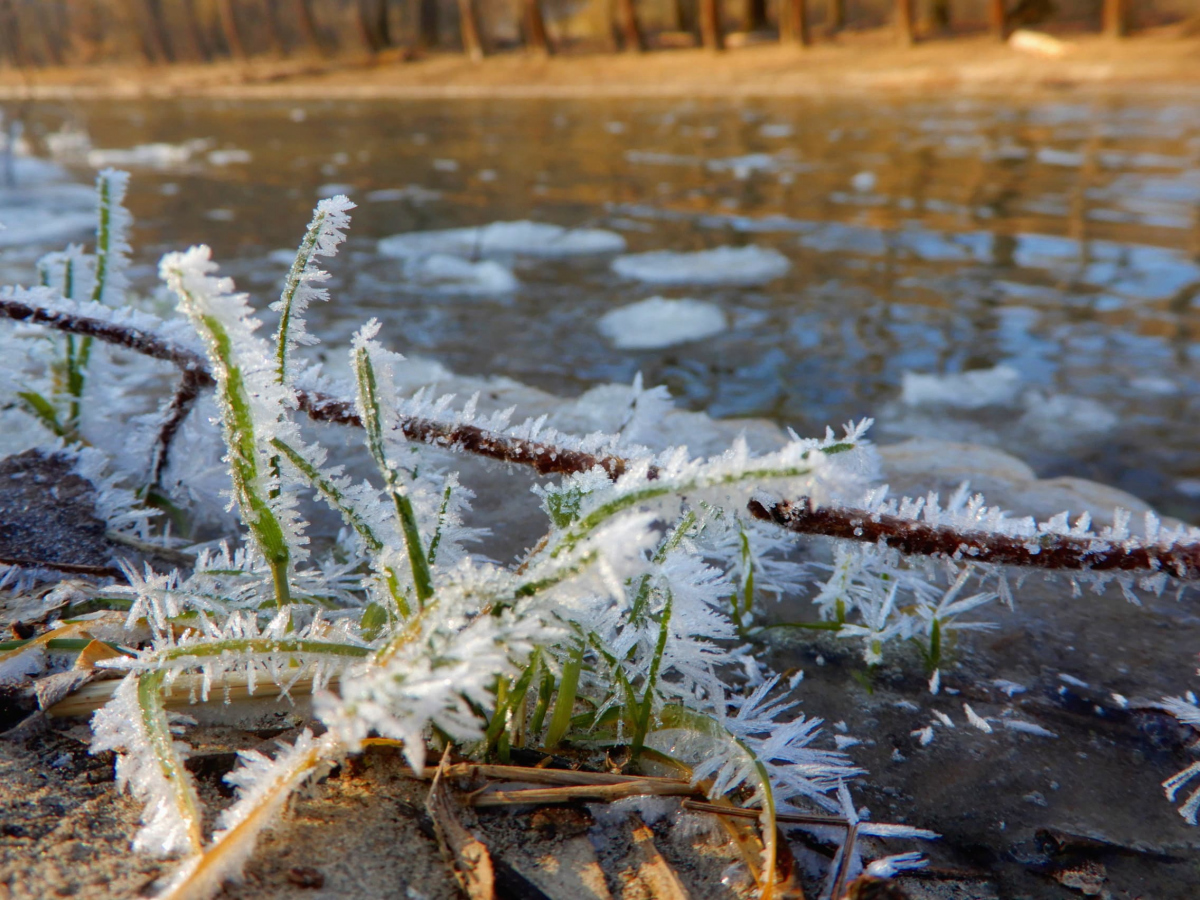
630 627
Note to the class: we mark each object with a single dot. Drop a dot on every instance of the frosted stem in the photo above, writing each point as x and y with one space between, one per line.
1043 551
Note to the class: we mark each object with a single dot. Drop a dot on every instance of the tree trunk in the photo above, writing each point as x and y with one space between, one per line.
472 35
427 23
533 26
998 19
367 21
712 35
229 29
303 15
14 47
835 15
156 30
904 22
274 28
383 28
629 27
754 15
193 34
1116 18
51 37
685 15
793 25
941 15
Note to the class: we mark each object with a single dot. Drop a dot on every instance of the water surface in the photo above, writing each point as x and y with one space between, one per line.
1057 236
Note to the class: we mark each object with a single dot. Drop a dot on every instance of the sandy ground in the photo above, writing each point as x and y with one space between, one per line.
855 63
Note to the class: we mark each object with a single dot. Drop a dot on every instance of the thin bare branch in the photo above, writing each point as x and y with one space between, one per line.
1045 551
588 793
546 459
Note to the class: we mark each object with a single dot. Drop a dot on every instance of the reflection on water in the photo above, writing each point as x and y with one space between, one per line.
1058 239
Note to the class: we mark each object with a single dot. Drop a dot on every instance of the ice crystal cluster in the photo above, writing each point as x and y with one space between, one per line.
626 626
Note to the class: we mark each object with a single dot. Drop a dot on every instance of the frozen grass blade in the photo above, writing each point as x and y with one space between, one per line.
325 232
134 723
371 409
203 298
264 787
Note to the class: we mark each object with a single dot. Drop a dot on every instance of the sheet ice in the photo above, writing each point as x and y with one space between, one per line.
658 322
721 265
504 239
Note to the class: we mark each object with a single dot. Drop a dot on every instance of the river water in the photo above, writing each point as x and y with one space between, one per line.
1056 238
1024 274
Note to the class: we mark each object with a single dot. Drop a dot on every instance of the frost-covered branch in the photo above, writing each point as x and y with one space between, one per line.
1110 551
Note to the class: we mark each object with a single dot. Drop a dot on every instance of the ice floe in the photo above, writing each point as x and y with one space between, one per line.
504 239
721 265
150 156
447 274
999 386
658 322
413 193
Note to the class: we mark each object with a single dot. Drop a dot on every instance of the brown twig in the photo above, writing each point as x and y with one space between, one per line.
906 535
184 399
741 812
586 792
69 568
1046 551
546 459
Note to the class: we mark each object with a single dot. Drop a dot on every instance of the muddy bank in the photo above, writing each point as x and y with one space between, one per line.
855 64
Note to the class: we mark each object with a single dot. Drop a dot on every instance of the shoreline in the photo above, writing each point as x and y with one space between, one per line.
858 64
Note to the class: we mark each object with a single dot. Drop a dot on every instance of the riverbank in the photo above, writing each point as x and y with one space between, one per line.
855 64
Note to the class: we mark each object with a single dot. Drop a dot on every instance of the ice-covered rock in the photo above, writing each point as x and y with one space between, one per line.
721 265
658 322
504 239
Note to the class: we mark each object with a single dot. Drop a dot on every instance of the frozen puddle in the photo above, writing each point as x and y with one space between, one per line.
722 265
504 239
658 322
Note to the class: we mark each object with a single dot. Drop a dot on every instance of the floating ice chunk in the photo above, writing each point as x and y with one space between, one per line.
412 192
1060 418
1189 487
657 322
228 157
1053 157
152 156
334 188
863 181
998 386
1037 42
445 165
1150 384
721 265
447 274
521 238
743 167
776 130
